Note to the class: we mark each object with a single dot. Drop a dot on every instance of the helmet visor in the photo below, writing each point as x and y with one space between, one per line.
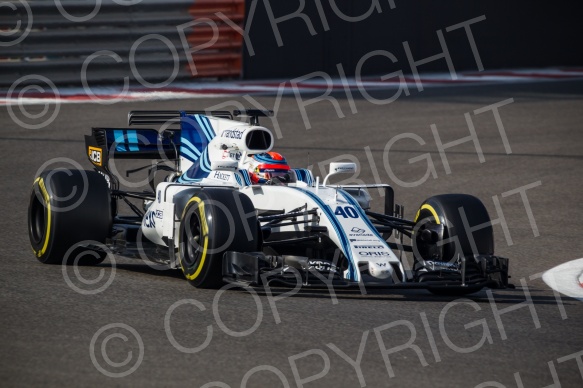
270 173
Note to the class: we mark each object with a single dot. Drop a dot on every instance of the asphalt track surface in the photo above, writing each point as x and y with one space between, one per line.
46 327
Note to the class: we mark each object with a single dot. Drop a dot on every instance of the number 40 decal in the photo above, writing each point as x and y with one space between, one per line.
346 212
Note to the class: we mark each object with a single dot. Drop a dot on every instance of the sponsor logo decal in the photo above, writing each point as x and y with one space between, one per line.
321 265
233 134
368 253
221 176
442 264
159 214
230 165
363 239
95 155
150 220
369 247
231 155
358 232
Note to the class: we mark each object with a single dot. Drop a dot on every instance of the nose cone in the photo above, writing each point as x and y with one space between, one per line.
379 270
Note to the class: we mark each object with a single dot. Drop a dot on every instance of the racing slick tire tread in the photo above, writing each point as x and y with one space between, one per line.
213 222
63 212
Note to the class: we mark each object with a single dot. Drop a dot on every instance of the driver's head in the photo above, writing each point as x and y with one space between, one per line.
265 166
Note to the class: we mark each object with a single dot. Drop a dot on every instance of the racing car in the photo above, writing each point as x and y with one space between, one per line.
212 218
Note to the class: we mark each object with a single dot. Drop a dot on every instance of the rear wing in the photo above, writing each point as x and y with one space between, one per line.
141 143
170 117
147 143
129 143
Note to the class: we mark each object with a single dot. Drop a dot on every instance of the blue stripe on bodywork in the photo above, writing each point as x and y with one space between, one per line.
196 134
188 154
119 140
304 175
136 140
205 163
246 180
308 177
204 124
184 179
132 140
337 228
189 146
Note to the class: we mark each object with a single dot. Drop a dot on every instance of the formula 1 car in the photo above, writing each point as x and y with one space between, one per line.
208 218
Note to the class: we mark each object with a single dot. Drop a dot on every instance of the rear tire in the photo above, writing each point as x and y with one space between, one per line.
211 225
68 208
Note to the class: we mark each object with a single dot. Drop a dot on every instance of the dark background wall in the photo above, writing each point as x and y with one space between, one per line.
514 34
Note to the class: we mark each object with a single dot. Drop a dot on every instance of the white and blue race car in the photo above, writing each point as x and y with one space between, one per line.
211 220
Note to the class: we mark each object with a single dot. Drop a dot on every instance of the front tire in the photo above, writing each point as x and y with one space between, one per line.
68 208
213 222
444 210
444 233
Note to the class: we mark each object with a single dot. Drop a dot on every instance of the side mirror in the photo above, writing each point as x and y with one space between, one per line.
340 168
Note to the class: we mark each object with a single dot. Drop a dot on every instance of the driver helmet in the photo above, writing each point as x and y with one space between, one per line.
265 166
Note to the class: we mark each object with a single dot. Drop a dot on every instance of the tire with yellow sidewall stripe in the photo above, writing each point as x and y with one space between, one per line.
213 222
470 227
68 207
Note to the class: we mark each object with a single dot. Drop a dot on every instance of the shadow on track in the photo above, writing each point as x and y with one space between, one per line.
505 296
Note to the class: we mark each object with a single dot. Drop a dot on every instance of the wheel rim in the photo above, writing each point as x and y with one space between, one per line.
191 237
37 221
423 247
